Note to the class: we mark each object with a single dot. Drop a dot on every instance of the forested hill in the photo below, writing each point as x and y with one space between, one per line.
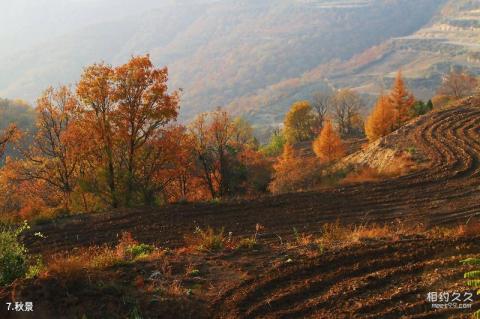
253 56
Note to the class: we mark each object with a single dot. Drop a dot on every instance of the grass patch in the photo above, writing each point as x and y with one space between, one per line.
208 240
127 250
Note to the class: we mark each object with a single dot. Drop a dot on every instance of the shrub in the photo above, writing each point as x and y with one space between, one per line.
210 239
251 243
15 262
275 146
421 108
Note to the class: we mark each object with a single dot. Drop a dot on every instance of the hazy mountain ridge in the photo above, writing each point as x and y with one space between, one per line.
254 56
450 39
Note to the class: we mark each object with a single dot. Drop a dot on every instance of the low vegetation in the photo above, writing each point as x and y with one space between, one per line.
15 260
127 250
209 239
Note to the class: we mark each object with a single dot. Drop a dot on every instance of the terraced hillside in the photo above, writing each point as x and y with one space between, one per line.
446 192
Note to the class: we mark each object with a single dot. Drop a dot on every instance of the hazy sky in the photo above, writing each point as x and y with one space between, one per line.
27 22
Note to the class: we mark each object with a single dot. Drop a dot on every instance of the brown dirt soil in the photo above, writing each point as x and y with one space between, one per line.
380 280
370 279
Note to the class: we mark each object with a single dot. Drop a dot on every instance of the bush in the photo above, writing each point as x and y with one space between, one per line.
421 108
275 145
209 239
15 261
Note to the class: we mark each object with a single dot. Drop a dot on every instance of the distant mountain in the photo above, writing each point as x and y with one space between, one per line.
450 39
253 56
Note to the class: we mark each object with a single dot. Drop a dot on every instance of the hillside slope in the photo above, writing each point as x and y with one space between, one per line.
217 51
450 39
445 191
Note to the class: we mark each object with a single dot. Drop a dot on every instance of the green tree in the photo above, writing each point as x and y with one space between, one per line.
298 124
243 132
420 108
275 145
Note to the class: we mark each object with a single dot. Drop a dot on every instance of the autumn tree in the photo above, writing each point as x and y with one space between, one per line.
382 120
275 145
213 134
95 90
298 123
293 173
257 170
183 186
328 146
143 108
51 157
346 108
126 108
458 84
158 162
402 100
6 137
321 105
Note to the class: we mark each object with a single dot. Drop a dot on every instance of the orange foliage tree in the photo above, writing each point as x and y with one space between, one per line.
293 173
126 108
382 120
328 146
94 90
114 142
402 100
51 157
226 156
6 137
143 107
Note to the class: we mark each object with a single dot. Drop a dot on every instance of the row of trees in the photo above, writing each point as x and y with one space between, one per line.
392 110
113 141
305 119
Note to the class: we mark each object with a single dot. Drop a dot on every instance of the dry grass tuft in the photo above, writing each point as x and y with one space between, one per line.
208 240
469 229
101 257
366 174
82 259
361 233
